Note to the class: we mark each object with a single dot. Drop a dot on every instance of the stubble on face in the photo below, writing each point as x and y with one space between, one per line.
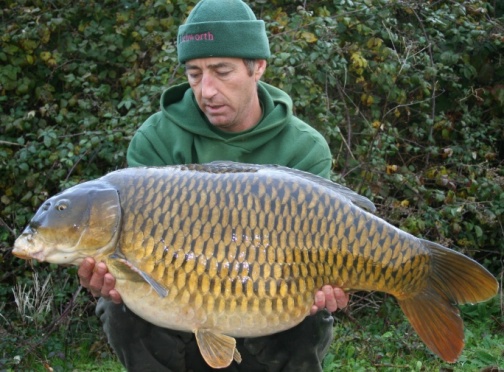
226 92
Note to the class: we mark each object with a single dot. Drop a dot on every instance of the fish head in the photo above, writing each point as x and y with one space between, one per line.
82 221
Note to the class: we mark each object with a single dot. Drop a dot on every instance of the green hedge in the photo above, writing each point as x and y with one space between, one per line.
409 94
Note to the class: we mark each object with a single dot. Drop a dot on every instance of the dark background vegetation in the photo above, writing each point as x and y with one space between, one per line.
409 95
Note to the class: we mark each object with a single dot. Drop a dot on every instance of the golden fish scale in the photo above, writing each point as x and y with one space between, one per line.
255 247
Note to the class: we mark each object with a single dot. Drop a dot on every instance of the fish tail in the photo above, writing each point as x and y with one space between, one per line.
455 279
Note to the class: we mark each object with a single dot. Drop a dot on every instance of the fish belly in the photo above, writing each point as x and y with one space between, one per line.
145 302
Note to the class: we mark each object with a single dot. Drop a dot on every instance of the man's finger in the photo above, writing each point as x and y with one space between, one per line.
97 279
85 271
108 284
319 303
330 301
115 297
341 298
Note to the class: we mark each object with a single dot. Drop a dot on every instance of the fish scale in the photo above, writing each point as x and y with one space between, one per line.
229 249
293 201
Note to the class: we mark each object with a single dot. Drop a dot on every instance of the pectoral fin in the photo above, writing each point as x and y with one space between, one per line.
161 291
217 349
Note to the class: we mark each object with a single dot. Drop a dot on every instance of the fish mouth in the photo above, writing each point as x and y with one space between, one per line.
25 248
39 256
21 255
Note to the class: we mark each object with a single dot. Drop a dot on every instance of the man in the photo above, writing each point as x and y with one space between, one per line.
224 112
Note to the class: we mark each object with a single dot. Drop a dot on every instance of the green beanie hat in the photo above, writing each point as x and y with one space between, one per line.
222 28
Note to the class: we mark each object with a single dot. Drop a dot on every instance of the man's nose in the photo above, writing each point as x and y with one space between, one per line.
208 88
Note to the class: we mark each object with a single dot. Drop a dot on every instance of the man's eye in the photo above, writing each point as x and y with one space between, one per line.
223 73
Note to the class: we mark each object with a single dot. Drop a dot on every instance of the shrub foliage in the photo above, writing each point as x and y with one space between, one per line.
409 95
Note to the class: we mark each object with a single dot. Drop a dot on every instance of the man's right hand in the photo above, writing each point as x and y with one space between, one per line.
95 277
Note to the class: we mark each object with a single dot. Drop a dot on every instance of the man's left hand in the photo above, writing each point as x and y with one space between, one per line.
329 298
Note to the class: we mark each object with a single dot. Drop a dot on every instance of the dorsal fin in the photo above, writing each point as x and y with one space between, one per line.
229 166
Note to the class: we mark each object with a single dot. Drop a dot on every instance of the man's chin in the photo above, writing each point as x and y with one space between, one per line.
219 122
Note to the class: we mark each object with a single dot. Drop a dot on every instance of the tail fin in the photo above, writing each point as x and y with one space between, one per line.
455 279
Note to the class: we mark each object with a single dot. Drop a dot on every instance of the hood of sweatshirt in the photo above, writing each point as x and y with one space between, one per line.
180 133
179 107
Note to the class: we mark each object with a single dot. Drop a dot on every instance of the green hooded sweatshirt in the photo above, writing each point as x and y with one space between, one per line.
181 134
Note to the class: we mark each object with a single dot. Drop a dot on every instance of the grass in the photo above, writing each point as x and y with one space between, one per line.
380 339
57 330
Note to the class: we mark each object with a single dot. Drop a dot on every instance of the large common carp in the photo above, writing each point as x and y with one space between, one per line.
233 250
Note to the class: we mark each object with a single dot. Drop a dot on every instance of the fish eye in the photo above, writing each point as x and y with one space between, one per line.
62 205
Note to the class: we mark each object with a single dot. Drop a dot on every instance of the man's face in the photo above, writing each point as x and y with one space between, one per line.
226 92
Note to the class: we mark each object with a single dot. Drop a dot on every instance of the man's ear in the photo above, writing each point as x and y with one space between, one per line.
260 67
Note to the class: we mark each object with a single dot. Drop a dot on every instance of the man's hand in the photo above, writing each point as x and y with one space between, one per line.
330 298
96 278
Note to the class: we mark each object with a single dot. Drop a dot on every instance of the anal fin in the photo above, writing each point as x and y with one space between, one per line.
217 349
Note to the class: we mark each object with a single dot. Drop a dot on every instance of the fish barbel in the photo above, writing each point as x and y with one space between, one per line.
230 250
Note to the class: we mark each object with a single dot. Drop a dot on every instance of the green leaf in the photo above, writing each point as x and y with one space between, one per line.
478 231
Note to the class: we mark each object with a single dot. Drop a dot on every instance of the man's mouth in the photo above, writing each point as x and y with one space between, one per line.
214 109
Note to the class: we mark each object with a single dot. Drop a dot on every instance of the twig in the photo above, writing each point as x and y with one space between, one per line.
10 143
348 141
405 105
75 164
433 94
389 365
174 74
68 309
4 224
